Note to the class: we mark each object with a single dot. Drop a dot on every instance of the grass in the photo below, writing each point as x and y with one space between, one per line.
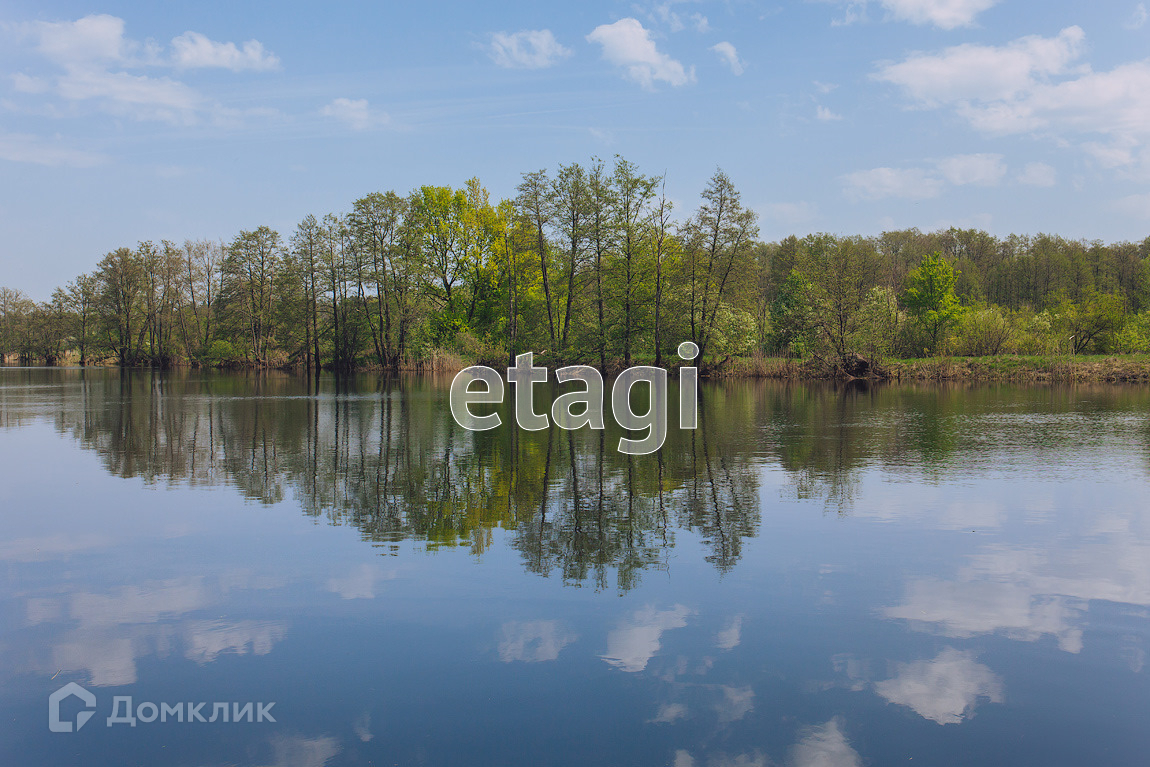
1006 367
1127 367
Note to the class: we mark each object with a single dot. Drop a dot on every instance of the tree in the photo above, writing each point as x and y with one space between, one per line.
633 195
841 271
791 314
602 237
1091 322
718 238
572 209
536 207
306 246
79 298
250 269
121 277
929 297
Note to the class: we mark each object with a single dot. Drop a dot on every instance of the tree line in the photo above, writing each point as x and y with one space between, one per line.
585 264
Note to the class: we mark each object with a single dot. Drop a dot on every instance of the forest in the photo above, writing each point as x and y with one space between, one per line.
589 264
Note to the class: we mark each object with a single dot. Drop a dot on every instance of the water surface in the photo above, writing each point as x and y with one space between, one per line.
815 576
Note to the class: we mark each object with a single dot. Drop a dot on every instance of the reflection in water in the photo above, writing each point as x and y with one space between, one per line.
385 456
944 689
636 640
533 641
106 634
825 746
937 544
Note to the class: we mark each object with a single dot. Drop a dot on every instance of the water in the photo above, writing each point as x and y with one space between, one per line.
816 576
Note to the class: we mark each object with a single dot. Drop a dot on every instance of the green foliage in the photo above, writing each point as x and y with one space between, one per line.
1092 324
1134 337
984 331
222 354
930 299
588 265
791 314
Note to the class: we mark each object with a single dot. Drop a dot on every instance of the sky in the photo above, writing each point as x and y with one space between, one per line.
128 121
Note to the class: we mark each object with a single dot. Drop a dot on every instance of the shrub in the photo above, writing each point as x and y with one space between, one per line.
983 331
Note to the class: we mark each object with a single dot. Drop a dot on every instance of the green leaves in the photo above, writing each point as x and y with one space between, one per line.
930 298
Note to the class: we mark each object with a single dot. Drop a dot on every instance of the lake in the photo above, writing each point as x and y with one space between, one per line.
816 576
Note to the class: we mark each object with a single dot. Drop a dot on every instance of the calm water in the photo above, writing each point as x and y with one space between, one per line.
816 576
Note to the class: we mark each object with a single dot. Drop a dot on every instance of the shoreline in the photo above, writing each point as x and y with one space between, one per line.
1118 368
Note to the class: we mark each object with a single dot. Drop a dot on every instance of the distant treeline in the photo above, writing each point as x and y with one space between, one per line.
587 264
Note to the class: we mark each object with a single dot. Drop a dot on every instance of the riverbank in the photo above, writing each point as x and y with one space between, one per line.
1130 368
1124 368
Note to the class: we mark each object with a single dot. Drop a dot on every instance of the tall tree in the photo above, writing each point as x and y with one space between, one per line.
719 239
633 195
537 209
250 268
572 206
930 298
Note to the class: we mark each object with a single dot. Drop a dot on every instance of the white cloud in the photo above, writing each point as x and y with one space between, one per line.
1138 18
533 641
94 57
970 73
139 96
527 49
356 113
95 38
944 14
945 689
1037 85
978 169
729 56
880 183
192 50
827 115
1037 174
825 746
632 645
825 87
627 44
699 21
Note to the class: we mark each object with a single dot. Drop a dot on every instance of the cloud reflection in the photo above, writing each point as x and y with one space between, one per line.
945 689
635 641
533 641
825 746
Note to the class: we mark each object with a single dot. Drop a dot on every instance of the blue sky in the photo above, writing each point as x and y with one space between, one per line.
127 120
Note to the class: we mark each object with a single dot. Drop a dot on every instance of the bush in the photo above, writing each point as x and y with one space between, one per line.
1134 338
222 354
983 331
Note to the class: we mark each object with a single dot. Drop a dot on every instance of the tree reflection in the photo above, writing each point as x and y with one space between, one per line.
385 456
